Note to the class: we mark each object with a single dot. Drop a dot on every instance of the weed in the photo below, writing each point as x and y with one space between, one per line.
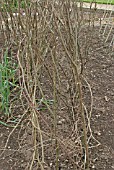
43 102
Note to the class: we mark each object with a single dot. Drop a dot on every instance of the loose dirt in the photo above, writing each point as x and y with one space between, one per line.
99 72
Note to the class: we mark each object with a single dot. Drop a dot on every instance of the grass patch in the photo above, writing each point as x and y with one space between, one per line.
101 1
13 5
6 75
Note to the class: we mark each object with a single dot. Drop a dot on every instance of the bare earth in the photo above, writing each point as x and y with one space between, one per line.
99 72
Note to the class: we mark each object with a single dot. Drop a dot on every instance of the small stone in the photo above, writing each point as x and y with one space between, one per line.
93 167
66 160
106 98
51 164
1 134
59 122
98 133
97 116
63 120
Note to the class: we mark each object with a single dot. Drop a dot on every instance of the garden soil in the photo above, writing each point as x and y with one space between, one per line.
99 73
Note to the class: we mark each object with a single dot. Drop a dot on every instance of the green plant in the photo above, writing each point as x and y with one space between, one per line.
13 5
100 1
43 102
6 81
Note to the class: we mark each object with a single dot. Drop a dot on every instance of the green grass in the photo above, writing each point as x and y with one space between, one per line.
7 73
12 5
101 1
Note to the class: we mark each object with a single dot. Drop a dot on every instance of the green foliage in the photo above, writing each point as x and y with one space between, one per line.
100 1
12 5
7 73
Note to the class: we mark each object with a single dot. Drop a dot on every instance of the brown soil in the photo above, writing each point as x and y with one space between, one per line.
99 72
